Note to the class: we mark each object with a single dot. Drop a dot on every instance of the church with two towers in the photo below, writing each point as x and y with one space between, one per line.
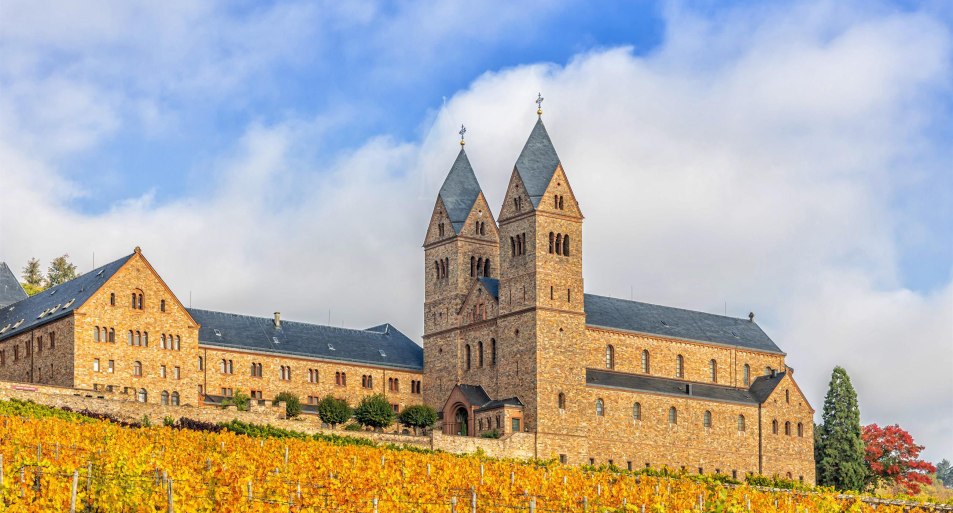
513 343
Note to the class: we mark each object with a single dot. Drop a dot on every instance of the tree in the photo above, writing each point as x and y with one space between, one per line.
841 453
375 411
892 457
944 473
292 404
418 416
32 278
334 411
60 271
241 400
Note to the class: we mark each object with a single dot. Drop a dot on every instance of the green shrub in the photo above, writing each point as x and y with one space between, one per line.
168 421
146 421
261 431
292 404
334 411
418 416
354 426
375 411
241 400
343 440
491 434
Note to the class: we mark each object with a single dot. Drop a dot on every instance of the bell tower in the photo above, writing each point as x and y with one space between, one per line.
461 246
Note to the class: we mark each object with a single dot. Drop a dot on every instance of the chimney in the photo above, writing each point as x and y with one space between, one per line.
750 316
688 388
278 320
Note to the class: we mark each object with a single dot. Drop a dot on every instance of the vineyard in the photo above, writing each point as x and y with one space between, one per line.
60 461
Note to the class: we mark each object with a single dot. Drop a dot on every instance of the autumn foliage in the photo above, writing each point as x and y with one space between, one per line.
894 458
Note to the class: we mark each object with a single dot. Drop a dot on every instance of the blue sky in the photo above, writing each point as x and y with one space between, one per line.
791 158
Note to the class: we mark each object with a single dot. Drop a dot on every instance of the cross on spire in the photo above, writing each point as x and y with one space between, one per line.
539 104
463 132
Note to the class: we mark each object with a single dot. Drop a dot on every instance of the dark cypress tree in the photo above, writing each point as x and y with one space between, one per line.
840 451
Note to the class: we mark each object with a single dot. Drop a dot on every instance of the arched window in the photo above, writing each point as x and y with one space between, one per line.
767 371
555 201
565 245
436 270
162 306
143 396
787 396
105 335
480 353
165 397
131 337
636 411
706 421
679 366
482 228
741 422
559 244
175 398
140 301
223 366
472 266
552 241
96 334
139 338
178 343
787 428
513 246
137 369
492 352
600 408
396 384
133 300
645 361
610 357
713 371
468 357
561 401
800 429
672 416
560 202
774 427
162 341
746 375
486 268
112 299
112 335
145 338
201 363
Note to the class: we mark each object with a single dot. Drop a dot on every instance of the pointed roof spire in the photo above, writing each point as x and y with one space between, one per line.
460 191
10 289
537 162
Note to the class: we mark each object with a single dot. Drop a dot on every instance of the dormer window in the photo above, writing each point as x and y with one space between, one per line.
217 333
331 347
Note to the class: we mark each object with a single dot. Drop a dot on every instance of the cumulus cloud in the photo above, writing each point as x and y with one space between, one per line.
748 163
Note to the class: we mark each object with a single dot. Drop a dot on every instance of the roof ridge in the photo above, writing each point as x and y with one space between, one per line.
666 306
297 323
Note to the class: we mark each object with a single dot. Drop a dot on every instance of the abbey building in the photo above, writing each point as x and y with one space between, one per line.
512 343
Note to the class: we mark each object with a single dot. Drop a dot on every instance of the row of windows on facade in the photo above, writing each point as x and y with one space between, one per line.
487 424
673 416
137 301
165 397
468 360
28 347
137 369
558 202
479 267
137 338
680 366
559 244
226 366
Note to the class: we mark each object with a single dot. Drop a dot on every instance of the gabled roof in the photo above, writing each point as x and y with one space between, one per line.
460 191
474 394
10 289
667 386
492 286
665 321
500 403
537 163
381 345
57 302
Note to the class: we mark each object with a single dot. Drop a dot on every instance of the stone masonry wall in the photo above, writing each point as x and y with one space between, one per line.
41 355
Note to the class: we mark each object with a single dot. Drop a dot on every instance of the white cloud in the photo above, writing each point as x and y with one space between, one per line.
748 160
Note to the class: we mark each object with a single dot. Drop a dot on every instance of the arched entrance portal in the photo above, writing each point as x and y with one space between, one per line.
461 419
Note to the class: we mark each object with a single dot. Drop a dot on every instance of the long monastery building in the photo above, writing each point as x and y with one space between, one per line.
511 343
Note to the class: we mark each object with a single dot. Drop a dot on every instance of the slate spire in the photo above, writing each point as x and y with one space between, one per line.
460 191
10 289
537 162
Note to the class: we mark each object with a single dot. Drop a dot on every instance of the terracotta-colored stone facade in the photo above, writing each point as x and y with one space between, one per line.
530 341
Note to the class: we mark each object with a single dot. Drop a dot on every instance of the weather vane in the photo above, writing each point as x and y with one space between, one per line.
539 104
463 132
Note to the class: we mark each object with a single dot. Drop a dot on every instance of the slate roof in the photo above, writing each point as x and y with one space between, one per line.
537 163
499 403
381 345
621 314
474 394
62 299
460 191
492 286
760 389
10 289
